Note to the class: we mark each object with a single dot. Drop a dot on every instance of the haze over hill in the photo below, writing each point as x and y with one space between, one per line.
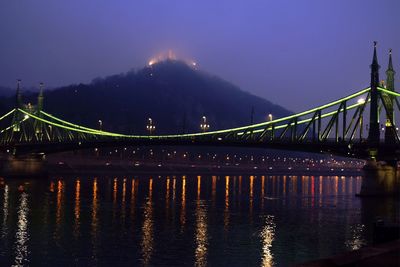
174 94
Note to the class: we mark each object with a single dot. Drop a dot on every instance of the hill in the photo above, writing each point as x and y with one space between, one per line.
174 94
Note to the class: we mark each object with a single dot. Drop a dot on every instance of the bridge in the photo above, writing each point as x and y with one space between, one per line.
336 128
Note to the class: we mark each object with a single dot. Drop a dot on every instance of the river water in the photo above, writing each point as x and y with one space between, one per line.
199 220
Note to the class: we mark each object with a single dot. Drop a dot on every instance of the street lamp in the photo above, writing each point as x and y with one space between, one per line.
150 126
100 125
270 117
203 125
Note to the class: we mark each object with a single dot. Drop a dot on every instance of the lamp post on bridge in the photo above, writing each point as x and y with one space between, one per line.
150 126
270 117
100 125
204 126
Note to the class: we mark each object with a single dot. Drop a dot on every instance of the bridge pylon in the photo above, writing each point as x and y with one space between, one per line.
373 134
39 108
381 177
390 133
18 104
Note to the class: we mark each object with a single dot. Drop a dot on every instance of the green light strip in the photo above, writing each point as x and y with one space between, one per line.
271 122
12 126
74 125
67 127
7 114
307 120
388 91
328 114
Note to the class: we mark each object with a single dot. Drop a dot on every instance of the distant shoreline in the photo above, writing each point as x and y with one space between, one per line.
87 165
57 169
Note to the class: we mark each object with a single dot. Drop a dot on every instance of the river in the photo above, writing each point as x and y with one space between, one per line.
200 220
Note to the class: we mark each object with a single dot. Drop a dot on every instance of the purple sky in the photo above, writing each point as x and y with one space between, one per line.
294 53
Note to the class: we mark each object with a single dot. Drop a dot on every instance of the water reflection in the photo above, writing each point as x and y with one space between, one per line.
293 187
343 189
234 186
226 211
4 230
240 185
335 189
135 184
174 189
77 209
304 185
115 191
320 191
207 221
22 235
312 191
173 213
201 229
267 237
95 220
167 198
60 209
304 189
51 188
213 190
356 240
198 186
123 204
284 185
262 191
183 203
251 195
147 229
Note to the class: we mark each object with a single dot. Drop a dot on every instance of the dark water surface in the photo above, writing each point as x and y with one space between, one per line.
184 220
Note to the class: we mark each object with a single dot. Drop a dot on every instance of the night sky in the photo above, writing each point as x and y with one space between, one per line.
295 53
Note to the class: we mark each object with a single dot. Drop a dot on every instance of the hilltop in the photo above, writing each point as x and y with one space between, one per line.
174 94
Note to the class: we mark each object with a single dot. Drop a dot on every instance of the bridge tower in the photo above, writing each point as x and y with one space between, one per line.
390 133
18 104
39 108
40 99
381 177
18 99
373 134
23 165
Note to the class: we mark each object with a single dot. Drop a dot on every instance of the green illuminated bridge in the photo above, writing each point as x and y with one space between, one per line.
360 125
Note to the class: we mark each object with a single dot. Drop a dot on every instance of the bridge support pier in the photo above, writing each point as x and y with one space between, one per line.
24 166
380 179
